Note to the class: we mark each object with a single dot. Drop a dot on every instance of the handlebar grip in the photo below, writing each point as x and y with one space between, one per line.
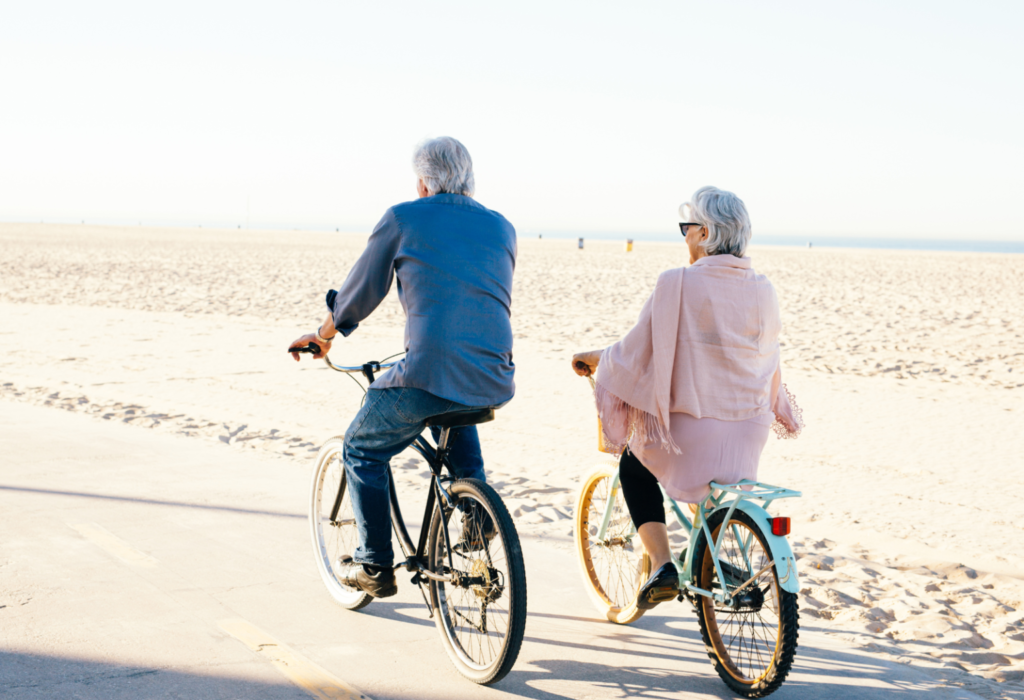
312 349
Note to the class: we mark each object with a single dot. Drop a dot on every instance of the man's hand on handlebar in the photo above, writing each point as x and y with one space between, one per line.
309 344
318 347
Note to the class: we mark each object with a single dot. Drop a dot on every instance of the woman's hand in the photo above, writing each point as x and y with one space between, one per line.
306 340
585 363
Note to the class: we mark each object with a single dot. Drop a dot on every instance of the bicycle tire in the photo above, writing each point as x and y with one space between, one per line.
332 540
755 665
498 562
614 572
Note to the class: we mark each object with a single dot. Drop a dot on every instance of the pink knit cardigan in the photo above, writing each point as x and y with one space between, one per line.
706 344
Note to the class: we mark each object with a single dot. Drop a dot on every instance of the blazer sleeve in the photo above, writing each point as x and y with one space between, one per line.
369 280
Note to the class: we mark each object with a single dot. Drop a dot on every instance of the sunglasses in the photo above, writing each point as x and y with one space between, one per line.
684 224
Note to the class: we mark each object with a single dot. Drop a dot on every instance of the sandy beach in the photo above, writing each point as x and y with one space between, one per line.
909 367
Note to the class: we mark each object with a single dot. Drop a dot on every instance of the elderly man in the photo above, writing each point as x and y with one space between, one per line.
454 260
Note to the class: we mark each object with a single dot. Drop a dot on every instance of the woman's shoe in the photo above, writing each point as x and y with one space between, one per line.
662 586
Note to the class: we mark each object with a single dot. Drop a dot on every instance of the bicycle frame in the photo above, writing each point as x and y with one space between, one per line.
728 497
436 457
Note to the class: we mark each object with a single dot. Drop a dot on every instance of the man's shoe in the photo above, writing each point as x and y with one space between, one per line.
375 580
663 585
478 530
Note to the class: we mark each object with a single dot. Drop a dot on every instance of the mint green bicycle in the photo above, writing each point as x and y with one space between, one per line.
737 570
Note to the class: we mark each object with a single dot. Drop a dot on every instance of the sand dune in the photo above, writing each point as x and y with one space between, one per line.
910 368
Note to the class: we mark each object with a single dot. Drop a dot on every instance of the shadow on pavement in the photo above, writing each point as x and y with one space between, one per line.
34 676
25 676
557 680
656 657
153 502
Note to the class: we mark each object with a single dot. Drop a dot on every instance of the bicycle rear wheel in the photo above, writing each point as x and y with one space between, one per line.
481 615
616 566
333 537
751 643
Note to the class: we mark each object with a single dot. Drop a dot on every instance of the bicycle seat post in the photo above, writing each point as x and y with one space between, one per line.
456 419
442 444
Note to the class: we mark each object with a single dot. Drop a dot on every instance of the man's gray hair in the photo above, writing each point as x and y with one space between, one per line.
725 217
444 166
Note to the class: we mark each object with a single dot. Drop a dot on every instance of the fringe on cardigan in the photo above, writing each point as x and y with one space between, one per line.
646 428
642 426
783 431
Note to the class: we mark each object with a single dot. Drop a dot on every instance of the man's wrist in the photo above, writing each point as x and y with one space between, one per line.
322 339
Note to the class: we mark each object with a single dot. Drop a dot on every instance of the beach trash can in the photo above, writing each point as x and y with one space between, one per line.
581 244
629 245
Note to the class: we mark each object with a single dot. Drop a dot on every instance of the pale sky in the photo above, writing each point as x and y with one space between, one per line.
860 118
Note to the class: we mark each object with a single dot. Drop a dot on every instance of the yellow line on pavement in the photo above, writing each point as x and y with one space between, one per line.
112 544
314 679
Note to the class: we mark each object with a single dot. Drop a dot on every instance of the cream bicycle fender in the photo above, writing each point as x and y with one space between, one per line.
779 549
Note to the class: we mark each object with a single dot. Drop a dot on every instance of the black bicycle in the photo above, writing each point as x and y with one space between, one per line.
467 562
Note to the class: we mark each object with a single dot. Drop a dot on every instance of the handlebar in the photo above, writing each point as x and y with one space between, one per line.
369 370
360 369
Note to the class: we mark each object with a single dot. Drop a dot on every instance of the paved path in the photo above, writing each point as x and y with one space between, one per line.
140 565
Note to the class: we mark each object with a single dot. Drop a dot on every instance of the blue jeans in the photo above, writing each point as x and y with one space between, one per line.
388 422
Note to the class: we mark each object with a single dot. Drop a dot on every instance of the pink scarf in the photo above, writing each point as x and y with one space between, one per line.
706 344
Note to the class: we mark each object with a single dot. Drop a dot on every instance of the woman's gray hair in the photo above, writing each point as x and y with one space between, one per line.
444 166
725 217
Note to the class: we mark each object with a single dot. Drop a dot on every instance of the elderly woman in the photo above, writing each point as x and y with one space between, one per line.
691 392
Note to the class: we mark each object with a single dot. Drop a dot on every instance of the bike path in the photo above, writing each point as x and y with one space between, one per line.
135 564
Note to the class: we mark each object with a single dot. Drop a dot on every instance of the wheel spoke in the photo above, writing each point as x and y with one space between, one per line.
477 616
746 634
338 538
614 564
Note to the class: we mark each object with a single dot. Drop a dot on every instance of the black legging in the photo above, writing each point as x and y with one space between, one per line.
640 489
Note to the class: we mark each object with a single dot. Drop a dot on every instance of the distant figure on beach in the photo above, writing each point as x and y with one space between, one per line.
690 393
454 260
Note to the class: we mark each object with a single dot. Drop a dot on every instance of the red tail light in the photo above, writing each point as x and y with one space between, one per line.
780 526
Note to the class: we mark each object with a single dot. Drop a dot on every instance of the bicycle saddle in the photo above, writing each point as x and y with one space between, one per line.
457 419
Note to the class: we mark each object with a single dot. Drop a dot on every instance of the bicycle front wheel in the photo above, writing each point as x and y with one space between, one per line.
751 642
481 611
332 523
615 566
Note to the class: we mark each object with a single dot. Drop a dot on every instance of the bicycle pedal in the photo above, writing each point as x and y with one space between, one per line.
661 595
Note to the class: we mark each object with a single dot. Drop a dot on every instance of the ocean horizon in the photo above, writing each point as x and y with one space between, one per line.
807 241
801 241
